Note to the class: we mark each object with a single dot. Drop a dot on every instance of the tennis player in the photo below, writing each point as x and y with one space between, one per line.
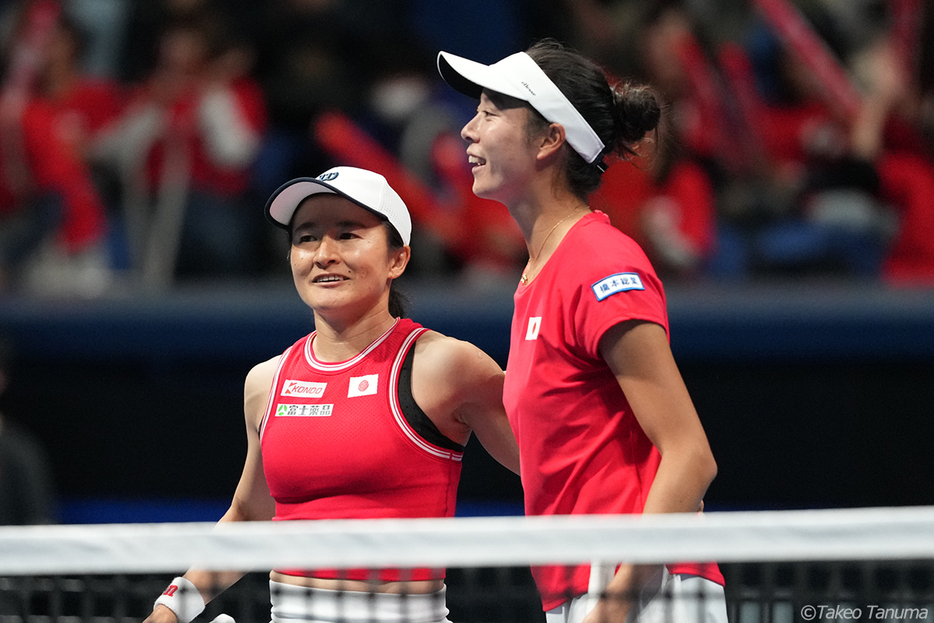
604 422
366 417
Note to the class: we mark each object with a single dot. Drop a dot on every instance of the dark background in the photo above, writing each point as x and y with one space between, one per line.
812 396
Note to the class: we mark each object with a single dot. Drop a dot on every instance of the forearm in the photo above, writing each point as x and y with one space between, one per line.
177 602
681 481
210 584
251 502
866 135
185 597
619 595
679 486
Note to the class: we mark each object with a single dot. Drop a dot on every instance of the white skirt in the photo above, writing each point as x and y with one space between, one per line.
293 604
667 598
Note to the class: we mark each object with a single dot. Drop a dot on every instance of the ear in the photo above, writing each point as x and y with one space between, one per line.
398 260
551 141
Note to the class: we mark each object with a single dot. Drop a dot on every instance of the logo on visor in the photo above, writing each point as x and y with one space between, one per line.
528 88
327 177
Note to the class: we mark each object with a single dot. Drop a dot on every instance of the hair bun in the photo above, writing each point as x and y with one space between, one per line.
638 111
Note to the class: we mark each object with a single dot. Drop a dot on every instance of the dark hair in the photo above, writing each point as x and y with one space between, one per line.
621 114
398 301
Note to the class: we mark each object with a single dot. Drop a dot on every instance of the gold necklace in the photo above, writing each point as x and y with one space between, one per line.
525 278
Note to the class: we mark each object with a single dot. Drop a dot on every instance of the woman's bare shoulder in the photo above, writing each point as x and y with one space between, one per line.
452 361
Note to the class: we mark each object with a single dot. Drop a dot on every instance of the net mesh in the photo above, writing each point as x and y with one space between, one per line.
851 565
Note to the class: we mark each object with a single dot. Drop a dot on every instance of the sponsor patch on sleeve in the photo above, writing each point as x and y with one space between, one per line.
620 282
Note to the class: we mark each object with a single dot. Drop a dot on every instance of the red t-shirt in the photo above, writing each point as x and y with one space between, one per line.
582 450
84 110
336 444
207 171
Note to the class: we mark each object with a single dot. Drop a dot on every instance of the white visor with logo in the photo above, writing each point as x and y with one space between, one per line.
365 188
520 77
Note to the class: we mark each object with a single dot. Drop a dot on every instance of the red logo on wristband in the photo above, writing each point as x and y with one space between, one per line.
170 591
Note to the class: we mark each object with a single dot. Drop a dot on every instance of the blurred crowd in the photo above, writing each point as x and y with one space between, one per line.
139 139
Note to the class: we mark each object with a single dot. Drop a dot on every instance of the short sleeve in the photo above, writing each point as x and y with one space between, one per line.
620 285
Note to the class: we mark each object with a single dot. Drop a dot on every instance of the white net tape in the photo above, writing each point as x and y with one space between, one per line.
850 534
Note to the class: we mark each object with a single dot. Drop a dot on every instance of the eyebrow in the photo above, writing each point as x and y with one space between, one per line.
505 102
345 224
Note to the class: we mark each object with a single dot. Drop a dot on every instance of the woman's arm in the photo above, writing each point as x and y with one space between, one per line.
251 501
461 389
639 356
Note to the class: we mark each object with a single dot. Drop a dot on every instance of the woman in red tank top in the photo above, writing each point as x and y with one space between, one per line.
364 379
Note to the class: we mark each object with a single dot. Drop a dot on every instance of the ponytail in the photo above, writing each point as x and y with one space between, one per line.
621 114
398 301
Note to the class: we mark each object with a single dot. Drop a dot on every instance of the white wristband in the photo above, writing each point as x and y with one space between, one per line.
182 598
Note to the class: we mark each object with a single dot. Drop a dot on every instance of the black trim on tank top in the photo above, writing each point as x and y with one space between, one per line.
414 415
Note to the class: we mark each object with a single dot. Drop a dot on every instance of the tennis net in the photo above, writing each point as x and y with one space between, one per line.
779 566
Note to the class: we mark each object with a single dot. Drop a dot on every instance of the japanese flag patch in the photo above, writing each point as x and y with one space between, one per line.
620 282
363 385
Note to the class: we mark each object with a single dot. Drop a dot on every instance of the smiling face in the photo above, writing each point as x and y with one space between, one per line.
501 150
340 256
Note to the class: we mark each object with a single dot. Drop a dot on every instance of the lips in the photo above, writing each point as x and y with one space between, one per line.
328 279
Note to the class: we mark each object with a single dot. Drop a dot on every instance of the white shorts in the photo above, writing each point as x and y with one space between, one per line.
668 598
293 604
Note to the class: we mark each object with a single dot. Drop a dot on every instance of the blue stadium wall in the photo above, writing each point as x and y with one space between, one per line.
812 396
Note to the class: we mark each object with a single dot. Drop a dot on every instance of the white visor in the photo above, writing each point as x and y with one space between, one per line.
365 188
520 77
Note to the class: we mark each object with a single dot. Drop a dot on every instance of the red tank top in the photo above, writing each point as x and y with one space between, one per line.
338 443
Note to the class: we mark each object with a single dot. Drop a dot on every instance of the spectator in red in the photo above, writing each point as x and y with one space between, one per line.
669 207
863 181
889 132
668 202
82 104
48 205
185 147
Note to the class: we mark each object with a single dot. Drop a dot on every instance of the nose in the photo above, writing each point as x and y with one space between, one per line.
327 252
469 131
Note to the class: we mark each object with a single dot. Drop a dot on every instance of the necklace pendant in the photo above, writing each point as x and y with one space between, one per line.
524 279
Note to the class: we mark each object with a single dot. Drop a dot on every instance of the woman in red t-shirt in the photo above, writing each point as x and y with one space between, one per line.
604 422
